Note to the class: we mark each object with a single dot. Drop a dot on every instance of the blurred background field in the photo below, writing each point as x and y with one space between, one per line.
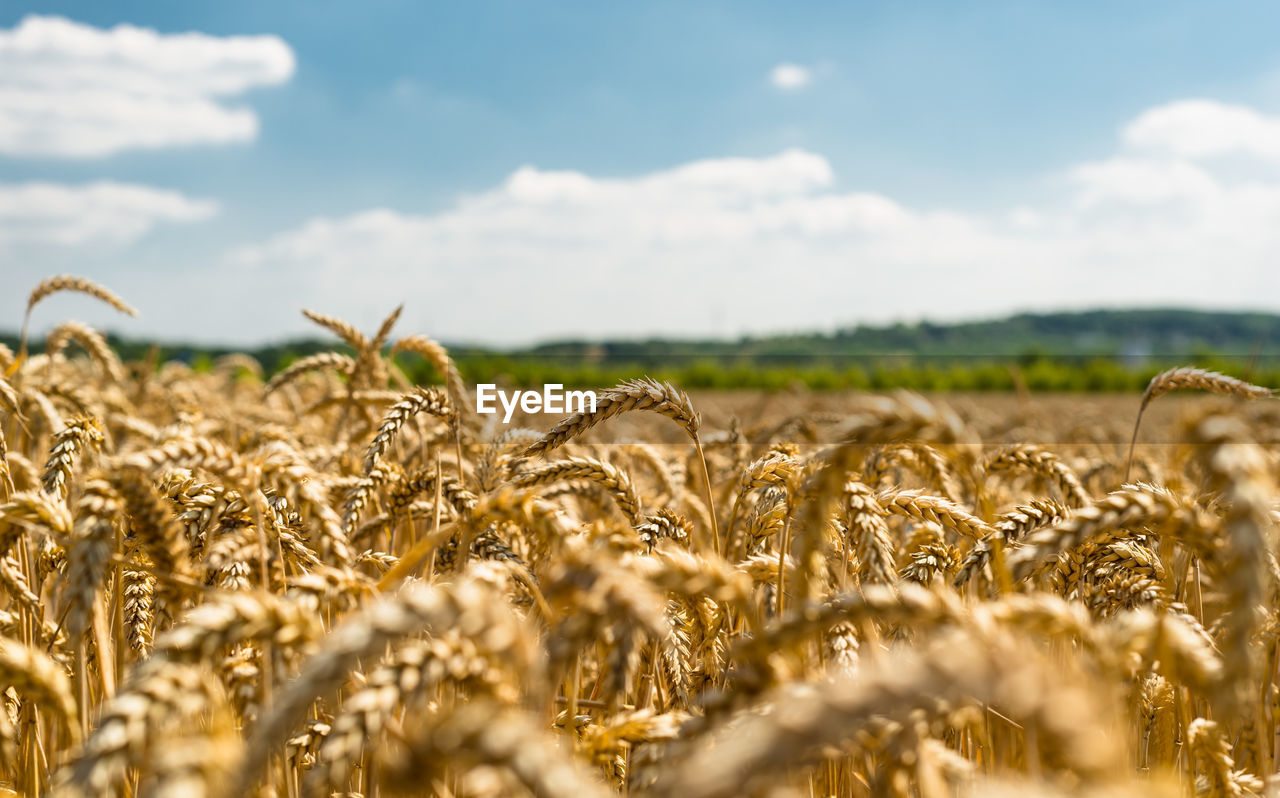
1104 351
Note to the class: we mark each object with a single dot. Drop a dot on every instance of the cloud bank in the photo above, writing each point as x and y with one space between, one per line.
103 214
1182 212
69 90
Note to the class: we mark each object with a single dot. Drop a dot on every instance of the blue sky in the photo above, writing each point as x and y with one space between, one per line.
933 160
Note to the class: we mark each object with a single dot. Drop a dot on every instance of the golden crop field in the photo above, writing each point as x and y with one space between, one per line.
333 581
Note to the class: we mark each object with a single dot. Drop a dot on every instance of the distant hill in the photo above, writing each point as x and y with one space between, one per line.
1132 334
1094 350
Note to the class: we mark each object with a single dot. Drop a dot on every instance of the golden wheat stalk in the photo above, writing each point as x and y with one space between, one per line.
1045 464
341 363
53 285
1188 377
438 357
91 341
641 394
429 401
935 510
611 478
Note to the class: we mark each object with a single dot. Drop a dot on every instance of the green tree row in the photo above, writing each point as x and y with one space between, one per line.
1039 370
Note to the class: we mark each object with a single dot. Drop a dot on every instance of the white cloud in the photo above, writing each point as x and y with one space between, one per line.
1142 181
1205 128
728 245
94 215
71 90
548 253
790 77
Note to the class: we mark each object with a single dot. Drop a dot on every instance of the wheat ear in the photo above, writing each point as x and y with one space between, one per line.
45 682
348 333
337 361
612 479
1045 464
642 394
936 510
428 400
438 357
465 605
68 444
1188 377
91 341
64 282
504 737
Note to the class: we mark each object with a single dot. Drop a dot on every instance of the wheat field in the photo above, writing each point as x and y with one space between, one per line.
335 582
